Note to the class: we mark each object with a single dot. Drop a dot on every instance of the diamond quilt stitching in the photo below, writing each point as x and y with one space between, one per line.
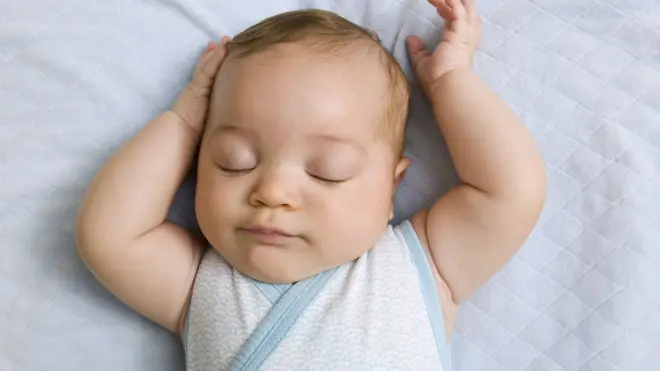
581 295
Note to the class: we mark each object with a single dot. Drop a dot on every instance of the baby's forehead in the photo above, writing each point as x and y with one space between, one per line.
292 72
347 88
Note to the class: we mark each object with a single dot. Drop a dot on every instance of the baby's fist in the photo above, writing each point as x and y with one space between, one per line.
456 49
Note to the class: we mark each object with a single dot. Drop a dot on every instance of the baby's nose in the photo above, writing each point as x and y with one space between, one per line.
275 189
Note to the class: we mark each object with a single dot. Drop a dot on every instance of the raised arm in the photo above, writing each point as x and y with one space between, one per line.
122 233
474 229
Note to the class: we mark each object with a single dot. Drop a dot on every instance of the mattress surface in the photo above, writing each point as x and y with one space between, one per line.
77 78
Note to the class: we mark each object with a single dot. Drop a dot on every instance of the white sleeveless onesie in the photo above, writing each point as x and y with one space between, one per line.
379 312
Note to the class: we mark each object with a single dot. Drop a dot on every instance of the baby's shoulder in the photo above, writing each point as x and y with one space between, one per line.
399 240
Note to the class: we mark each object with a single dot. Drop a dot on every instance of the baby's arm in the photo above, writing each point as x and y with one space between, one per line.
474 229
122 234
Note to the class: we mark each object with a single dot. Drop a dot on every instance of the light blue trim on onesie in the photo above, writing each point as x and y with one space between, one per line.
279 320
272 292
429 291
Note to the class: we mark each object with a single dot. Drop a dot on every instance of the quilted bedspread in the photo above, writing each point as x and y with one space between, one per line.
77 78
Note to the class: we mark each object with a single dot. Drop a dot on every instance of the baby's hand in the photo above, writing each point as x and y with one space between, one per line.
455 50
192 104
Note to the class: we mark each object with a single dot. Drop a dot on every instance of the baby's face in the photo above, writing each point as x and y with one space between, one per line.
293 178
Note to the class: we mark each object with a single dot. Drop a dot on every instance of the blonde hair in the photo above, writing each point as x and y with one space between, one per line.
326 32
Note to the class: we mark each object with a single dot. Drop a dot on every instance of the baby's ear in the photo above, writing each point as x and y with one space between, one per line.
400 170
399 173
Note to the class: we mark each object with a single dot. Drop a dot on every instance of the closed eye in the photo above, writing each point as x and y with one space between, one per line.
327 180
234 172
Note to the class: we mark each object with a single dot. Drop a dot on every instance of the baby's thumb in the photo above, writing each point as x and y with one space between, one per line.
416 50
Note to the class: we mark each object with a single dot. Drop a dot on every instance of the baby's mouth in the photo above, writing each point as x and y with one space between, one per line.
268 236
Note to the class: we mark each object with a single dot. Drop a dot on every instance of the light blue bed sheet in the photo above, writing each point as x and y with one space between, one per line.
77 78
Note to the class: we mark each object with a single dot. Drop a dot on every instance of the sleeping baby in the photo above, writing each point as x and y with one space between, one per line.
296 127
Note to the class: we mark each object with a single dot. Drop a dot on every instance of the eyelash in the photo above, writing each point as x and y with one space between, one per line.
324 180
232 173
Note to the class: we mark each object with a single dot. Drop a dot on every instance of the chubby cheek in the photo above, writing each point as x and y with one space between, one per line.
354 222
215 203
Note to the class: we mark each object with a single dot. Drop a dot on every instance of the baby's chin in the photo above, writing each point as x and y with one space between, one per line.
277 266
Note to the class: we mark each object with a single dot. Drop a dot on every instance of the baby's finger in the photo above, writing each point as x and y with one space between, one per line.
416 50
207 69
458 9
206 55
211 46
212 62
445 12
442 8
460 23
471 10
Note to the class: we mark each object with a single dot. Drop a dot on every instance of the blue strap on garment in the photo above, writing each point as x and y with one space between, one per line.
429 291
277 323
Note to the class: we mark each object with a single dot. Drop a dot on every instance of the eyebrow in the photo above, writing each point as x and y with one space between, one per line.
227 127
221 128
341 140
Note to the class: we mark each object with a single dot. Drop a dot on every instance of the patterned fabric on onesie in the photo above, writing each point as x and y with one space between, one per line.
379 312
